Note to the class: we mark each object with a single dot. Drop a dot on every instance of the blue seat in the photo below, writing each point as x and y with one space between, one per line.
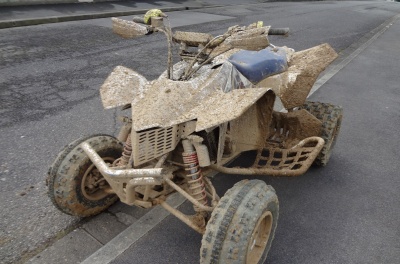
258 65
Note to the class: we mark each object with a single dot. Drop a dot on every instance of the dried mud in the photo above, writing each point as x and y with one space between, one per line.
293 86
214 95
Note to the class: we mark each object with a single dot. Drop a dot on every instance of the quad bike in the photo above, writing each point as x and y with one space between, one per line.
229 94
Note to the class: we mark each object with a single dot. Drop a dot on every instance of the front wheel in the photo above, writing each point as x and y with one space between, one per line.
242 226
75 186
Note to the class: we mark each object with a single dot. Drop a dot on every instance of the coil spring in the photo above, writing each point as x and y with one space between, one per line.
195 178
126 154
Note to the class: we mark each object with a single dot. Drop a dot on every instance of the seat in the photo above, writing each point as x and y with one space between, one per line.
258 65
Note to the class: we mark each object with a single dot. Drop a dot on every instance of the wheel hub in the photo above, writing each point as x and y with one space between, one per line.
259 238
94 185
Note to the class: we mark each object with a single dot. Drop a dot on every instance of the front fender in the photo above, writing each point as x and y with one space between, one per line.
121 86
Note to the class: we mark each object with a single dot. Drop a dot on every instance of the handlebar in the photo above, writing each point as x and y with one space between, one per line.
278 31
138 19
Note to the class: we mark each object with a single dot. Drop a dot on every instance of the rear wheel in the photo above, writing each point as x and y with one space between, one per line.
331 118
242 226
75 186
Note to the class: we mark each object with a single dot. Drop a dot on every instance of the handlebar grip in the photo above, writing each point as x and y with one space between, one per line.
278 31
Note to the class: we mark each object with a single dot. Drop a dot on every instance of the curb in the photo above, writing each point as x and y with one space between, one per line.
48 20
133 233
48 2
352 52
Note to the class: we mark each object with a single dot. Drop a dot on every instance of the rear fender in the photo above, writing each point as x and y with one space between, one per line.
294 85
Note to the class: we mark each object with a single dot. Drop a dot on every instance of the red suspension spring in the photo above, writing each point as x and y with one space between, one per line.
195 178
126 154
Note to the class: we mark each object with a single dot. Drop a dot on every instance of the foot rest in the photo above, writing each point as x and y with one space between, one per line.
281 162
291 162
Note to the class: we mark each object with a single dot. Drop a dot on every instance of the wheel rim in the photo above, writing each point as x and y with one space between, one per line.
259 238
93 184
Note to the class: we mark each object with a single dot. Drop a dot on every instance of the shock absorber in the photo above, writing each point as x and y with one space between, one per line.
126 154
193 173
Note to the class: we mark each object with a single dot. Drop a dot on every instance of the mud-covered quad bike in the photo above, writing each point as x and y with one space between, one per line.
229 94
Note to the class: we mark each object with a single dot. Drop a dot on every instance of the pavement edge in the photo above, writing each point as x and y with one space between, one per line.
58 19
133 233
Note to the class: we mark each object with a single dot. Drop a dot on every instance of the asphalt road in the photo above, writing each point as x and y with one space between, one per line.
49 78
